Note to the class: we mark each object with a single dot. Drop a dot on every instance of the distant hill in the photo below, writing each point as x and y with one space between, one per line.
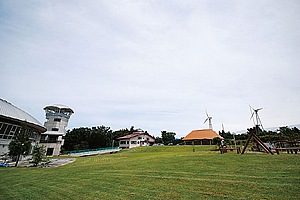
275 128
271 128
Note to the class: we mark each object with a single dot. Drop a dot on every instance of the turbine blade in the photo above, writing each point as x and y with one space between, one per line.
205 121
250 110
252 115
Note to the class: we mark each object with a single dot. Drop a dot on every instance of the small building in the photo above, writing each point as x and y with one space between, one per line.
57 120
202 137
136 139
12 120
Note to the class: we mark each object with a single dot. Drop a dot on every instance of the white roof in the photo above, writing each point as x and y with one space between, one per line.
58 106
10 111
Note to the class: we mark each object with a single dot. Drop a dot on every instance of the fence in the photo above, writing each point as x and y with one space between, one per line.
90 152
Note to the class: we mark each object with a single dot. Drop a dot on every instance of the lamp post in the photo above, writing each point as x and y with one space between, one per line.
234 139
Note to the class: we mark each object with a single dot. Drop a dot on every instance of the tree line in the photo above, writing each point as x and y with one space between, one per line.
285 133
101 136
94 137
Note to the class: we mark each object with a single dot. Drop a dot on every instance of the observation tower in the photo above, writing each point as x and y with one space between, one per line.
57 120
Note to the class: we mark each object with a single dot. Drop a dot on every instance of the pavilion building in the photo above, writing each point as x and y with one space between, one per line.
201 137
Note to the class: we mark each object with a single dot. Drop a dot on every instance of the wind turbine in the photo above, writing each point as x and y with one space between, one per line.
209 120
252 131
223 127
256 120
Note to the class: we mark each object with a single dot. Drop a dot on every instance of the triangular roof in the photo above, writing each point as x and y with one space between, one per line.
152 139
130 136
202 134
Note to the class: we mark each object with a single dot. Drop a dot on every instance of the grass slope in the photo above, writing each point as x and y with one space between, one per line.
160 173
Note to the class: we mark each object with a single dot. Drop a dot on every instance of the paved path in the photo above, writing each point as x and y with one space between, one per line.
54 162
61 161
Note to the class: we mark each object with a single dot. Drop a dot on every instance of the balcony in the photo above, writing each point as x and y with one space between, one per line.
49 141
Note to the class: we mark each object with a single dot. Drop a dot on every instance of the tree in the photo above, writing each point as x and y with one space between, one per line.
88 138
21 145
158 140
38 154
216 141
168 137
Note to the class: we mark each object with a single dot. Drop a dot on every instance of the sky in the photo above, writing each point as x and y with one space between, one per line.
155 65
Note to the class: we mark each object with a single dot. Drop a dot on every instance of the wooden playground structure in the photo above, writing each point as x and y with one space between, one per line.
269 150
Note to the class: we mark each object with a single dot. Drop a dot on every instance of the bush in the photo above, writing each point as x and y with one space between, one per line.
38 154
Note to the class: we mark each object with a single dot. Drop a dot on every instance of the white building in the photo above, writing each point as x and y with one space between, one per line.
12 119
135 140
57 120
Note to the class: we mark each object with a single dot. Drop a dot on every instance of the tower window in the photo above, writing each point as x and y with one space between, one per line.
57 119
54 129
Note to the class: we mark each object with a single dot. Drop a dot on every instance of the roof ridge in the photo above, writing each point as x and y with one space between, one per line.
32 120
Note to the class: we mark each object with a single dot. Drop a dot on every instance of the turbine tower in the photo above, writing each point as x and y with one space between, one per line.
256 119
209 121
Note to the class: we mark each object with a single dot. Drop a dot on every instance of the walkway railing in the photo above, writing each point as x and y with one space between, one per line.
90 152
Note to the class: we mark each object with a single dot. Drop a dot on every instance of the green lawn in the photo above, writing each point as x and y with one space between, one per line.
174 172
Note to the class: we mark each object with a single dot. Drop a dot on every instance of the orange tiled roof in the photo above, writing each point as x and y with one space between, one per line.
201 134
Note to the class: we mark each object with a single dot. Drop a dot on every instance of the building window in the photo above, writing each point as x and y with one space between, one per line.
3 128
54 129
123 142
133 142
1 135
48 139
139 138
33 135
57 119
7 131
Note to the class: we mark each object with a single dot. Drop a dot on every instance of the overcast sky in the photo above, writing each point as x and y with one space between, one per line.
156 65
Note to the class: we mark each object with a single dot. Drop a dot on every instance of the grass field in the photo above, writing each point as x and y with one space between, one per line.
171 172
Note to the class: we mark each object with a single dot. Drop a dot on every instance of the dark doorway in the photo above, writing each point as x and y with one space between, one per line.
49 151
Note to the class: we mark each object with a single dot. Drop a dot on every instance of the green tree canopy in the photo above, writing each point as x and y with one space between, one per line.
21 145
88 138
168 137
38 154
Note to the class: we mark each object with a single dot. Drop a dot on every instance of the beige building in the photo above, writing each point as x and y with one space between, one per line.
57 120
136 139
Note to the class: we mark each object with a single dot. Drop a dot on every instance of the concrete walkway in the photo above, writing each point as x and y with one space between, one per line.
53 162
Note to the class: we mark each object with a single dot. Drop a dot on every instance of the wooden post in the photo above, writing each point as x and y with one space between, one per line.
193 146
248 140
256 138
262 144
238 150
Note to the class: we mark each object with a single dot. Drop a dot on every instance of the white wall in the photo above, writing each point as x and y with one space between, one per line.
137 141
